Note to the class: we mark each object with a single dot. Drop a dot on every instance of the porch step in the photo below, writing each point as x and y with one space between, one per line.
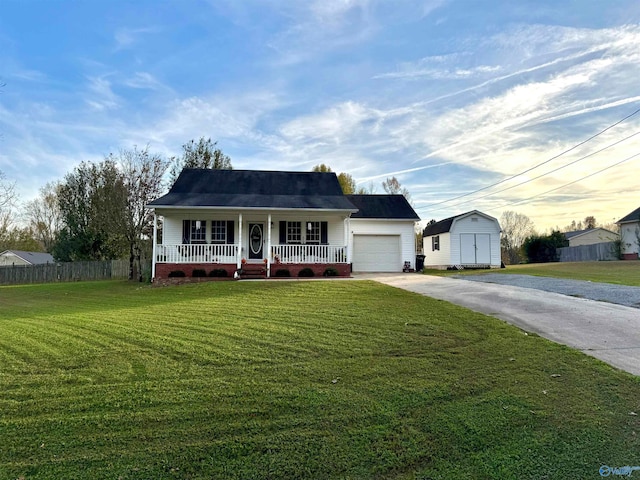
253 272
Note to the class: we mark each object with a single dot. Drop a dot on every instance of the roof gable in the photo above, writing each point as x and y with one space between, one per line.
632 217
578 233
255 189
383 207
33 258
444 226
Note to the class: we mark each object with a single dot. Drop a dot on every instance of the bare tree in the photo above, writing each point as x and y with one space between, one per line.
590 222
393 187
44 217
516 227
203 154
8 198
142 174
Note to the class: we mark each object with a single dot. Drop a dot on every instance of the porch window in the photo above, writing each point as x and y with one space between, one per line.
435 243
194 231
313 232
294 232
218 231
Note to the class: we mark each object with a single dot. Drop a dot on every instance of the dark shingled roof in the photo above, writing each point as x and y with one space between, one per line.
255 189
383 206
444 226
632 217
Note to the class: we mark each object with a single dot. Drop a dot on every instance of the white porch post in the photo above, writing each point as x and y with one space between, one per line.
239 258
154 251
269 246
347 236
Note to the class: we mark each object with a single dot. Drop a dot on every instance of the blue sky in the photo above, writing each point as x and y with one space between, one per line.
448 96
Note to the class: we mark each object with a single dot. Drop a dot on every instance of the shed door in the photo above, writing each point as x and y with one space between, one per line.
475 248
376 253
483 248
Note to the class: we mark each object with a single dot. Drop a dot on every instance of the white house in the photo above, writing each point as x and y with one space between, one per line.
469 240
263 222
630 234
590 236
19 257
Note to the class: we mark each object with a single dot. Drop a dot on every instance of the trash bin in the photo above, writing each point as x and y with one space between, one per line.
419 263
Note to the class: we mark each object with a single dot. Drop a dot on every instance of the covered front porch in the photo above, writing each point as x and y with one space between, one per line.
275 244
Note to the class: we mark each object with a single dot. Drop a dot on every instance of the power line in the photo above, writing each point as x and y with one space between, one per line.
567 184
544 174
535 166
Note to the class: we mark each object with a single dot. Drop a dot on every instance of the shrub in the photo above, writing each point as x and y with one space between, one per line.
176 274
218 272
330 272
282 272
199 272
306 272
543 248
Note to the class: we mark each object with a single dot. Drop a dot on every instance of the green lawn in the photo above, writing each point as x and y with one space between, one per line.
326 379
618 272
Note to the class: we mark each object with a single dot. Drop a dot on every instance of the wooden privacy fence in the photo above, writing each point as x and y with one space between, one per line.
587 253
64 272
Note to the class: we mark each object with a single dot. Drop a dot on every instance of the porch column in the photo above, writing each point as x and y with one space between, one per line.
347 235
239 256
155 240
269 246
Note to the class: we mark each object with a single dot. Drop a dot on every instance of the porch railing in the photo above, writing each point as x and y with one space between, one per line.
205 253
308 254
194 253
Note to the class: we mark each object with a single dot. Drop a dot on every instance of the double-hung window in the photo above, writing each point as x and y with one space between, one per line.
218 231
313 233
294 232
198 231
435 243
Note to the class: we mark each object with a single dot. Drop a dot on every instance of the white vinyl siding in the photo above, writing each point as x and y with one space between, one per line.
599 235
434 258
629 238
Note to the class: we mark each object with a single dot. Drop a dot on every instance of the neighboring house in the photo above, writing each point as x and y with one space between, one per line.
269 220
382 236
469 240
630 234
18 257
590 236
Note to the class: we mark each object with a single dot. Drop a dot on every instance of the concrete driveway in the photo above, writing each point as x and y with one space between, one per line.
606 331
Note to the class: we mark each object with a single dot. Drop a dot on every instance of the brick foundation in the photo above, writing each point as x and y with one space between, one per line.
163 270
630 256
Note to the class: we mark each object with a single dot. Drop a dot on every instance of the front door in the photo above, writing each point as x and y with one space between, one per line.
256 240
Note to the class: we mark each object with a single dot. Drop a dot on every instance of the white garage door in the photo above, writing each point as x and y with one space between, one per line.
376 253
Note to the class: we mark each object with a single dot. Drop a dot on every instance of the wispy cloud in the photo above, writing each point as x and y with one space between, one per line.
126 38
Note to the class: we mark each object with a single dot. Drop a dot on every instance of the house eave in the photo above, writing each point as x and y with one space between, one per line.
245 209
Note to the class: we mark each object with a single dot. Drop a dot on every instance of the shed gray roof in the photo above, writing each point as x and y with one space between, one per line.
631 218
383 206
255 189
34 258
575 233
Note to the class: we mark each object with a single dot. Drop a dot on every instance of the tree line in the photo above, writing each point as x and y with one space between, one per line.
521 243
98 210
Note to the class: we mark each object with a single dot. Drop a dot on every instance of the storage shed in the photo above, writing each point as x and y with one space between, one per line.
468 240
